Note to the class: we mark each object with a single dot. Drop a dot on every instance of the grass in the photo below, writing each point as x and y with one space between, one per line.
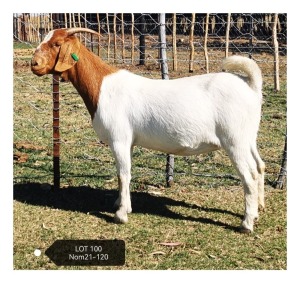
200 213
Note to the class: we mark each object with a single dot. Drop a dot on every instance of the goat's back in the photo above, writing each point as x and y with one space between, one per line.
182 116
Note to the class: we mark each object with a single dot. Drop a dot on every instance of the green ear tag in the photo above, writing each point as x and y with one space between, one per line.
75 57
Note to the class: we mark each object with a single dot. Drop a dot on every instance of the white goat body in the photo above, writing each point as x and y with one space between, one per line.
185 116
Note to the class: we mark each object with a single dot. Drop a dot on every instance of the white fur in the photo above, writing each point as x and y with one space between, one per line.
185 116
46 39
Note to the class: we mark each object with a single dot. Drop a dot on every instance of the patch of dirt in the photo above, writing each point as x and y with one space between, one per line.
20 157
21 65
22 59
28 146
19 147
23 52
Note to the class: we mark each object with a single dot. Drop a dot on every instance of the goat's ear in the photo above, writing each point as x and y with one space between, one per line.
65 59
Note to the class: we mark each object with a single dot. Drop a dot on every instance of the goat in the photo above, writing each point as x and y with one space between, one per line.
184 116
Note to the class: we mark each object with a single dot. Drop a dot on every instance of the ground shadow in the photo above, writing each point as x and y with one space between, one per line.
99 202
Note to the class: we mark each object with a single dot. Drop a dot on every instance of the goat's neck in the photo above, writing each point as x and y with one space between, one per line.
87 76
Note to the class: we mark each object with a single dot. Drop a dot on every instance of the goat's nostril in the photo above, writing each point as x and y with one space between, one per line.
34 63
37 66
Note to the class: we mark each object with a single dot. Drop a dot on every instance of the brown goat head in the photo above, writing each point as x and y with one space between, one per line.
58 52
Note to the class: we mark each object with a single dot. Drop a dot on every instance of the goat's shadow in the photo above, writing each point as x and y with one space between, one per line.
99 202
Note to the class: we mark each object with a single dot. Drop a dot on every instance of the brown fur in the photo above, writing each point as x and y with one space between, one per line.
54 56
87 76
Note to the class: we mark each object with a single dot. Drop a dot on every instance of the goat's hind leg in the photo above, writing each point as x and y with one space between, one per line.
246 166
261 181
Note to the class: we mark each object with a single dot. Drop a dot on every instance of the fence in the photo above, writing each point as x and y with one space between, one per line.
195 44
189 37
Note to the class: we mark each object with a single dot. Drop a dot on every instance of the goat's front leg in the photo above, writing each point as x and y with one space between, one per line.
122 155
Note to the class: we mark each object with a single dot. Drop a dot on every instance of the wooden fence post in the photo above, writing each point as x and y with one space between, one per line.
85 25
205 44
276 54
66 20
251 37
132 38
191 42
142 30
227 35
108 41
99 32
79 24
123 38
115 38
174 43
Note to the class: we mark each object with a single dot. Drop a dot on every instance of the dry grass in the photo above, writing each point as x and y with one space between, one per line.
201 212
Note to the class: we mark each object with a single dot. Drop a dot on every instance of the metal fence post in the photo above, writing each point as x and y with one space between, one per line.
55 125
56 136
165 76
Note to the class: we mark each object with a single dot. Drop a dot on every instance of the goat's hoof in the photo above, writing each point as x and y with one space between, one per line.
261 208
244 230
120 217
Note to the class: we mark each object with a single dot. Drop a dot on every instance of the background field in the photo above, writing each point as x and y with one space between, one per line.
199 215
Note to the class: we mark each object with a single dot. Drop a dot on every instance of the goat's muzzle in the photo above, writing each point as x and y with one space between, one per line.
38 66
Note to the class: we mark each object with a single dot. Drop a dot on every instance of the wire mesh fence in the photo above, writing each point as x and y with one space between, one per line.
133 38
195 44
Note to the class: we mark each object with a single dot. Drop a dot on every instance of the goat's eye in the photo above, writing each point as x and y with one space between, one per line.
56 44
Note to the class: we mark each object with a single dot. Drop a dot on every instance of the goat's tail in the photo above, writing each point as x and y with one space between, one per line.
238 63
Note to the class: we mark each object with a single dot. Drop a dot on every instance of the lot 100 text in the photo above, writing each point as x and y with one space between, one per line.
93 249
